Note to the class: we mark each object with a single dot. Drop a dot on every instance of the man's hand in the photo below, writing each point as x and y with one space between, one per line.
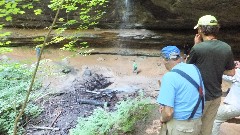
197 39
229 72
166 113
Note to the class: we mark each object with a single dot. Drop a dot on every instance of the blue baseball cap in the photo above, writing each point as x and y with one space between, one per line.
170 52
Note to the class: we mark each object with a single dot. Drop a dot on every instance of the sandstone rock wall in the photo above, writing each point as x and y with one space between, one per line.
162 21
150 14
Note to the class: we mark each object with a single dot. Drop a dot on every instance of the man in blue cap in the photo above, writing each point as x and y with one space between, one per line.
181 95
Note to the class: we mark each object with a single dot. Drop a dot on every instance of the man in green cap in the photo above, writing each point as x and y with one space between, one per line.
213 58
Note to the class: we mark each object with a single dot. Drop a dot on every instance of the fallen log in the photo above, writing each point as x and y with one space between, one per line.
44 128
92 102
103 93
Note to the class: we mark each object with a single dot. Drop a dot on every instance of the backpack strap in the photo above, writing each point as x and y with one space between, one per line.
198 88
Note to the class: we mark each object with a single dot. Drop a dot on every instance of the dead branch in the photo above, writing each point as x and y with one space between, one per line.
44 94
44 128
93 92
59 113
92 102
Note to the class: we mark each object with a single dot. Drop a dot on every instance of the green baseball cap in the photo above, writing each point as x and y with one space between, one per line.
206 20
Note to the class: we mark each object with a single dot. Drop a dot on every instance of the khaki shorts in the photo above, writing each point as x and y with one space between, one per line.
183 127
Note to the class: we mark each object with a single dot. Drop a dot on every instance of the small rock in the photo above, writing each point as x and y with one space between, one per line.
66 70
87 72
100 59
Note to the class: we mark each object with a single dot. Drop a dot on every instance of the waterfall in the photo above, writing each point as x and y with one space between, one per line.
127 12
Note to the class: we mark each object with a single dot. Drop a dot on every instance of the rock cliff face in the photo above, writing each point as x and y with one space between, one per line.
176 17
188 11
150 14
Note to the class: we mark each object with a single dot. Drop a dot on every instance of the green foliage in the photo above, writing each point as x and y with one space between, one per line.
120 121
89 15
88 10
5 50
15 79
84 8
3 36
37 11
39 39
8 8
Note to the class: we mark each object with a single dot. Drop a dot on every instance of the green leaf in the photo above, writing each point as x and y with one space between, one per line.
8 18
30 6
2 15
1 26
61 19
21 12
8 42
8 5
39 39
37 11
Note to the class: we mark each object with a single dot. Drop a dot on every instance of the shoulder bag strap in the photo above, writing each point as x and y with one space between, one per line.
199 88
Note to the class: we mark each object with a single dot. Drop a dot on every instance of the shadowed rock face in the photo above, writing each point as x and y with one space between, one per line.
151 23
190 10
174 14
149 14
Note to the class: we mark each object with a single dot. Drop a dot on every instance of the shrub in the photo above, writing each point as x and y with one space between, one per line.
121 120
15 79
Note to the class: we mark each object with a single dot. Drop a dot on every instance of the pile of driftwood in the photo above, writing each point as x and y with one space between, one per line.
94 84
91 81
106 94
